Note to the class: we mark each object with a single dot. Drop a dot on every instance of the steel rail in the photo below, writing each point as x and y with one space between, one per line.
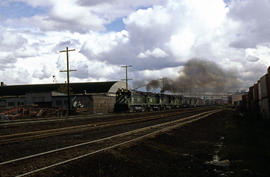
182 121
77 117
54 119
178 124
5 139
102 139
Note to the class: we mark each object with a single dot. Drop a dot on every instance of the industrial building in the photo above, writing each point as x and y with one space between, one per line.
93 97
236 98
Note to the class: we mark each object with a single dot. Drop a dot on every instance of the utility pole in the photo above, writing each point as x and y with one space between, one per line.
162 85
67 71
126 66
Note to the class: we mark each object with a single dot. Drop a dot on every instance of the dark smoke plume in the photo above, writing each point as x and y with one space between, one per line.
198 76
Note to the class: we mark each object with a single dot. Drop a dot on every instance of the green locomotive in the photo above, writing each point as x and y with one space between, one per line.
136 101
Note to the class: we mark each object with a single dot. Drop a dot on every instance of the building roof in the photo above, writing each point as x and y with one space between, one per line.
76 88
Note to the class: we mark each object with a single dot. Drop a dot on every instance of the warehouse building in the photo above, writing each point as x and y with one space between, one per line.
237 98
93 97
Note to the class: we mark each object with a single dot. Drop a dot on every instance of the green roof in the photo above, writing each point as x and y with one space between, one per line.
76 88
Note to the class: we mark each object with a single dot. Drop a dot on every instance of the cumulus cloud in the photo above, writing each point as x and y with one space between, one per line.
62 15
178 29
15 75
252 58
41 74
253 17
79 15
11 47
158 39
157 53
9 40
63 44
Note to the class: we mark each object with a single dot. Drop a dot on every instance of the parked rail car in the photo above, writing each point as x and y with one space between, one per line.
257 100
153 101
176 101
200 102
130 101
264 95
134 101
185 102
165 101
193 102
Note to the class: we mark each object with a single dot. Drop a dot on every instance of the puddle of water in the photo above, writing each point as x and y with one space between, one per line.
216 160
219 163
186 155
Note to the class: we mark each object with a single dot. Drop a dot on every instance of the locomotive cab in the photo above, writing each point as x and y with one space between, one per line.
123 99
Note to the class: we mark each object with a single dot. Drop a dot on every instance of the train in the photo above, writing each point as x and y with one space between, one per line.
138 101
256 102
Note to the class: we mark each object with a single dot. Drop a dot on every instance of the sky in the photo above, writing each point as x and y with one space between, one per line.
156 37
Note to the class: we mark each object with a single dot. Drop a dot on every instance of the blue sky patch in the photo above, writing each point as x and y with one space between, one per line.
19 9
227 2
116 25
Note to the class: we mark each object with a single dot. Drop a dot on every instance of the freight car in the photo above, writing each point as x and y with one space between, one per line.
135 101
256 102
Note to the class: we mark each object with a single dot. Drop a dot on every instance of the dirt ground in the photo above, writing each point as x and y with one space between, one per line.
225 144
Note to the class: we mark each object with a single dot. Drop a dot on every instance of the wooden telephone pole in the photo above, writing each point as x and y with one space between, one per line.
126 67
67 71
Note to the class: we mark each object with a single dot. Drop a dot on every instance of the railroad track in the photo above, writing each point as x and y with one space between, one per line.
39 162
37 125
69 118
18 137
25 136
11 123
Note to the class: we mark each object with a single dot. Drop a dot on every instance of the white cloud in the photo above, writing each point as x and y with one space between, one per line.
97 44
253 17
160 36
144 76
11 41
171 72
79 15
181 43
15 75
260 52
157 15
252 58
157 53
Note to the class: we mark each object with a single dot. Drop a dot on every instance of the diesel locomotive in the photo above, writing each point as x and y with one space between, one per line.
136 101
